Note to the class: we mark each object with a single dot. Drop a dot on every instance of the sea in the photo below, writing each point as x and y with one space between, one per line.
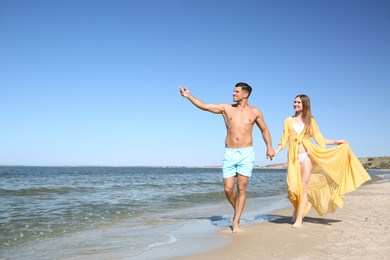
126 212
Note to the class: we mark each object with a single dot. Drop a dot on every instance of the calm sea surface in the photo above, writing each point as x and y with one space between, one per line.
124 212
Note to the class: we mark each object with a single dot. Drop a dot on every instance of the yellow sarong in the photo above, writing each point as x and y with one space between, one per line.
336 171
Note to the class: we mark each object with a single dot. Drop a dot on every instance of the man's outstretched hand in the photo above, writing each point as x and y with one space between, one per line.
184 92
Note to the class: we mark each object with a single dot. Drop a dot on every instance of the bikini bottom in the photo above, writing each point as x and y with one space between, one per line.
302 156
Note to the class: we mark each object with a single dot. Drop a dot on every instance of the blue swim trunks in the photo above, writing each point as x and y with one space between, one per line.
240 160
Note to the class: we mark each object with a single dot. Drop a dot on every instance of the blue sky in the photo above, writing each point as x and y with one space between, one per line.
96 82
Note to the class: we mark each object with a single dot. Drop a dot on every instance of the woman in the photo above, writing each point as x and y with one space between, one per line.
316 176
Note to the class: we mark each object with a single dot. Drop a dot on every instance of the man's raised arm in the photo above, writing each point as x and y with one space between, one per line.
213 108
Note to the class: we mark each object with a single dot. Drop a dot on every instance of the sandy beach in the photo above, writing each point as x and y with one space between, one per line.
361 230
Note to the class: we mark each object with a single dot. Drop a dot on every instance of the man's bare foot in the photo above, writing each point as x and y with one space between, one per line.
297 224
236 228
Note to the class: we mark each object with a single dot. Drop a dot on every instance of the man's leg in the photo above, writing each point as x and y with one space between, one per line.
240 203
228 184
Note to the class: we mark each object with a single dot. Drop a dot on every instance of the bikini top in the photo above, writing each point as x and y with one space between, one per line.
298 129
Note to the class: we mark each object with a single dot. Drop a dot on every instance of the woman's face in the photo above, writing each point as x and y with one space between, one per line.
298 106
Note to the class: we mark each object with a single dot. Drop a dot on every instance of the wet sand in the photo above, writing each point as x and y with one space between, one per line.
361 230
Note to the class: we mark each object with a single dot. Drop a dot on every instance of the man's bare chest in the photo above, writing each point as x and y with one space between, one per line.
241 117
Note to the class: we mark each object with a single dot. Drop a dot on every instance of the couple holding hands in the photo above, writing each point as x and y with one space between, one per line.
316 176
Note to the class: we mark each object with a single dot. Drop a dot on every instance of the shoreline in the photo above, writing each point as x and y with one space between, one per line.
211 234
360 230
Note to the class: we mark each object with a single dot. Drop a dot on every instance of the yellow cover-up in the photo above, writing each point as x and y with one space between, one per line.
336 171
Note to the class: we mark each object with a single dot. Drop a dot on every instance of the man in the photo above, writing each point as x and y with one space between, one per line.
239 155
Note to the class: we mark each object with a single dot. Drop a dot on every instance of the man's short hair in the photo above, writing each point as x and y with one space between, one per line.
245 87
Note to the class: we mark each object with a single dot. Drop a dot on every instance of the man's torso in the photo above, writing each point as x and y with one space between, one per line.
239 124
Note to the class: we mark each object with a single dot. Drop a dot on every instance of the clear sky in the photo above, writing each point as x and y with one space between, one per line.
96 82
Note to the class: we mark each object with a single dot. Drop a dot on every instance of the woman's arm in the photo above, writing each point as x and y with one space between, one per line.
335 142
286 133
278 150
317 136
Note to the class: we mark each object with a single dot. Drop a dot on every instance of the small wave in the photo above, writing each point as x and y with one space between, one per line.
171 240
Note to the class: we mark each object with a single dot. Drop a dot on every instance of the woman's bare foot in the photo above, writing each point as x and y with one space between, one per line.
297 224
236 228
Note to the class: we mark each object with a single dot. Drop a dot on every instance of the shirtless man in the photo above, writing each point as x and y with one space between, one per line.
239 156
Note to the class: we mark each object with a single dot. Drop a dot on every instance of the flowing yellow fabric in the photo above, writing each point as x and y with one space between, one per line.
336 171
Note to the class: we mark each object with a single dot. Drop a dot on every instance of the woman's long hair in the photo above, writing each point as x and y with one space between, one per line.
306 113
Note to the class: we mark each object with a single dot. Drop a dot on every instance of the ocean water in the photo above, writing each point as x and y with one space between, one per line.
123 212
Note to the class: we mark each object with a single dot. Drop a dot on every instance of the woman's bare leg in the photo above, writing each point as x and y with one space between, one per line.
294 215
306 167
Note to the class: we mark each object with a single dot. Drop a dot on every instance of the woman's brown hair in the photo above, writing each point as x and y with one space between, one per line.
306 113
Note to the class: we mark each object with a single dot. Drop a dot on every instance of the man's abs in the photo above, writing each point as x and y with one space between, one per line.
238 141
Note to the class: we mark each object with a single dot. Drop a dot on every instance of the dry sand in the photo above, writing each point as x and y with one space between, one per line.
361 230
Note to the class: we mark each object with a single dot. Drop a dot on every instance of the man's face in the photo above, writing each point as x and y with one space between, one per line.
238 94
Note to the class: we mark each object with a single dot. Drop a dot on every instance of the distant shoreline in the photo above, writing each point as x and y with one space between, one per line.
369 163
